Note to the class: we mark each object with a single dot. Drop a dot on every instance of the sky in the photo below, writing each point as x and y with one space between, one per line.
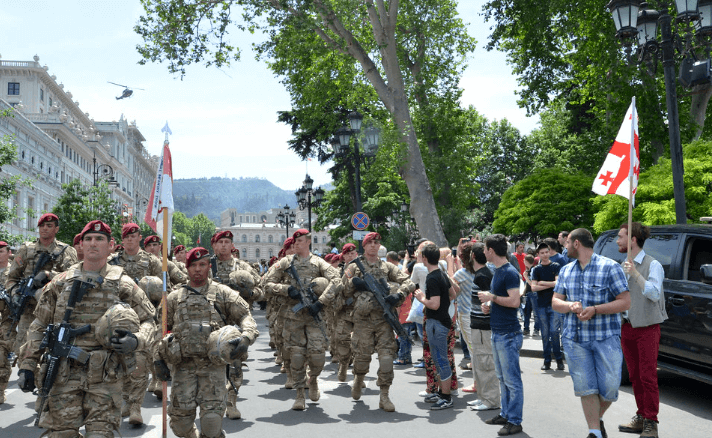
224 122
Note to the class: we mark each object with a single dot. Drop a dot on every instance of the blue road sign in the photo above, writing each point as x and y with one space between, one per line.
360 221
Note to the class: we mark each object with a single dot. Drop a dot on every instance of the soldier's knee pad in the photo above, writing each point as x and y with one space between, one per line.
361 365
99 434
385 363
316 363
211 425
298 360
182 425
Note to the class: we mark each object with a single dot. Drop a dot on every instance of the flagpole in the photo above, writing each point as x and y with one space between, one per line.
164 316
632 156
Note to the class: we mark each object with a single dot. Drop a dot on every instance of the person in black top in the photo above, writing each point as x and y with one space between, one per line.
436 300
544 276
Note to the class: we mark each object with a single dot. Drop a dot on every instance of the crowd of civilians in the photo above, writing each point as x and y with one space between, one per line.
487 297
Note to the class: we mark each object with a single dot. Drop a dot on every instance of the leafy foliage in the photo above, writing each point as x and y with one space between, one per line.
655 203
80 204
8 185
544 203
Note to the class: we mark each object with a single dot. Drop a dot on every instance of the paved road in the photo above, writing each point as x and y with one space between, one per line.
550 408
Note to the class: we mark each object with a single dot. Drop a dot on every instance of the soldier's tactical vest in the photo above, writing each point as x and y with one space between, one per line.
195 318
32 255
365 302
94 304
137 266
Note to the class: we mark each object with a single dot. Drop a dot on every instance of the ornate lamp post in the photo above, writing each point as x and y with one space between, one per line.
304 198
634 20
286 218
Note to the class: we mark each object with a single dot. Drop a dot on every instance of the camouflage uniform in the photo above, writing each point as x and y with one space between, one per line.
135 384
221 270
21 267
175 273
5 346
88 394
182 267
344 325
277 308
371 332
303 339
196 380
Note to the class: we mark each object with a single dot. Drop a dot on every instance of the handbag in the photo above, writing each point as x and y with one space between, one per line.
416 312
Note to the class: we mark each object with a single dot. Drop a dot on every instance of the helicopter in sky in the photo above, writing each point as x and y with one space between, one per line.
127 91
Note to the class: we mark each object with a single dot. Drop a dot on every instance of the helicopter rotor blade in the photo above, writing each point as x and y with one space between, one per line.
114 83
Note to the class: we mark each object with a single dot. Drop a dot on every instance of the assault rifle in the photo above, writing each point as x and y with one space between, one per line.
380 291
57 341
307 297
26 288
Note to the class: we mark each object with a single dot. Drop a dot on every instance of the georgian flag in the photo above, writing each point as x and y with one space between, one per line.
618 170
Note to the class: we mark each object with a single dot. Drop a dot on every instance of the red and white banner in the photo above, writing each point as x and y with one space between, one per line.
160 206
619 170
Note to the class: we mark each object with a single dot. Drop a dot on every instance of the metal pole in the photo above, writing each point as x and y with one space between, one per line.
359 207
309 203
673 118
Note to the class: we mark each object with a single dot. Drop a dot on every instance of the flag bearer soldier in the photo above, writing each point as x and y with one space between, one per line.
119 320
304 338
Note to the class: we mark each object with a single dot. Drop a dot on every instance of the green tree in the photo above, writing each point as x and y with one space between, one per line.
203 228
654 201
399 46
80 204
544 203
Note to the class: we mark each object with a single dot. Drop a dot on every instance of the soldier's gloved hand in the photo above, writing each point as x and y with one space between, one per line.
162 371
392 299
41 279
359 283
315 308
293 292
240 345
26 382
124 341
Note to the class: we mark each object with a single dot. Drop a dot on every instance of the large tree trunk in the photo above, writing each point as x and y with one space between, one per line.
698 109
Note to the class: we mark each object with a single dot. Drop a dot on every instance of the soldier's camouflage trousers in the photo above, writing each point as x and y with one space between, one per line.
374 335
306 345
196 383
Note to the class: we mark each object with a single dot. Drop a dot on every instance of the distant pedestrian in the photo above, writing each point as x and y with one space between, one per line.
591 292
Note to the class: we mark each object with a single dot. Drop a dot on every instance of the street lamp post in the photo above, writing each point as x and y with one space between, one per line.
304 198
342 149
633 19
286 218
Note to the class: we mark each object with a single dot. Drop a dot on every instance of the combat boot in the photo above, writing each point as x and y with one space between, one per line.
385 403
357 386
152 385
314 393
232 412
290 380
125 409
3 385
158 392
135 413
300 403
343 369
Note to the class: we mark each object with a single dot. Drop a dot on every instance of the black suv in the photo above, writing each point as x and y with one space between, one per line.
685 251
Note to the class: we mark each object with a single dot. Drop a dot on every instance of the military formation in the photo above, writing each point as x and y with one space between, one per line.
83 324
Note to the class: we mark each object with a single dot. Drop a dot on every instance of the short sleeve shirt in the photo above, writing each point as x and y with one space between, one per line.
465 280
504 319
600 282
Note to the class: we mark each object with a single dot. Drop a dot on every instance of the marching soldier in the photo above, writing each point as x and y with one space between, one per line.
137 264
201 317
107 317
276 316
77 245
153 245
371 331
344 308
5 323
304 338
241 277
179 254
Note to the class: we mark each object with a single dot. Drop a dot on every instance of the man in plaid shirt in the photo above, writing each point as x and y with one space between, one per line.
592 292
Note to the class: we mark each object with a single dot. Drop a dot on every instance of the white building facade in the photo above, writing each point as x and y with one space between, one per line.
57 142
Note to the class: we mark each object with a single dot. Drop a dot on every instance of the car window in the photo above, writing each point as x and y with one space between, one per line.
661 247
699 253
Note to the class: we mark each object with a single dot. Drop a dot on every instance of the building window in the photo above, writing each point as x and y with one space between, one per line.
257 253
316 239
244 237
243 254
270 239
271 253
323 239
13 88
254 219
257 238
41 95
240 219
50 101
30 213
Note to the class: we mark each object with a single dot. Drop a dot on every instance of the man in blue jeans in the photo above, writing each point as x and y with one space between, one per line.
592 291
502 302
544 277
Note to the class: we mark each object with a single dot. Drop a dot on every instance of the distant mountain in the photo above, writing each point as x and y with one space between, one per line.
212 196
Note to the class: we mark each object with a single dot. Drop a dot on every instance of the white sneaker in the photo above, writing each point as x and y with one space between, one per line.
423 393
474 402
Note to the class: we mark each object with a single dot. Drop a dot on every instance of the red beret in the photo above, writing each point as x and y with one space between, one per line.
371 236
235 251
151 239
129 228
221 234
328 257
98 227
288 242
336 258
178 249
196 254
48 217
77 239
272 260
3 244
118 248
348 247
300 232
